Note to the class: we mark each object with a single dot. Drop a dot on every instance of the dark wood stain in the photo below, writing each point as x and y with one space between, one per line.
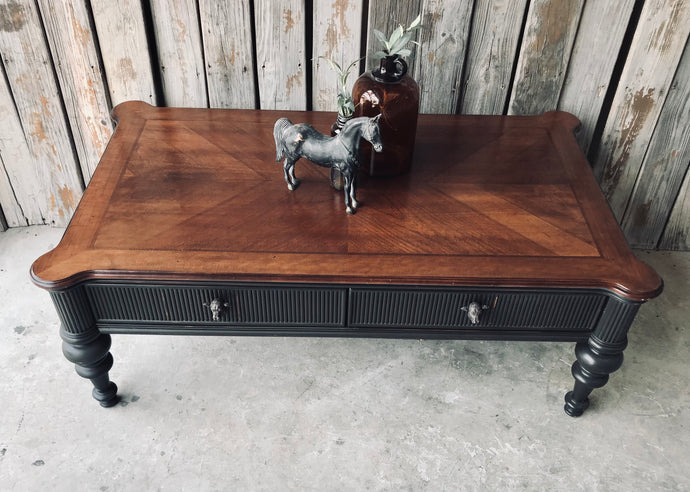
491 200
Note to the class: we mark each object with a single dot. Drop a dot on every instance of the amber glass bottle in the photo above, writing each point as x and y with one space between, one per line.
388 90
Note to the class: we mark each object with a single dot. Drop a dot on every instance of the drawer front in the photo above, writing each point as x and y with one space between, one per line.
239 305
507 310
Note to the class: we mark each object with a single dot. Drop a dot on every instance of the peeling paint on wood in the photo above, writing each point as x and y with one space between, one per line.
281 55
665 164
592 61
549 36
441 54
337 34
656 49
81 79
229 62
178 38
12 16
124 50
677 232
35 92
493 48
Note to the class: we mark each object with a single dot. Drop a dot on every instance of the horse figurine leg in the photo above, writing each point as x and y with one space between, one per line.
351 202
289 172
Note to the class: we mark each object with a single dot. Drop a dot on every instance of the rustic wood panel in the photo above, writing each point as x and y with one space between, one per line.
677 233
181 58
29 70
492 51
281 54
665 164
227 35
599 38
82 84
125 50
386 15
337 35
548 40
22 202
441 54
656 48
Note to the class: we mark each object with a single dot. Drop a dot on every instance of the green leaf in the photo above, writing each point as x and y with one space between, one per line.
405 52
396 35
381 37
400 43
380 54
417 23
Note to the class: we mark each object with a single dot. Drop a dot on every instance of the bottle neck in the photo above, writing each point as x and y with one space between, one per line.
391 69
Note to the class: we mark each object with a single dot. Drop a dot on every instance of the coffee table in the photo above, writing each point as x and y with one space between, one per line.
498 232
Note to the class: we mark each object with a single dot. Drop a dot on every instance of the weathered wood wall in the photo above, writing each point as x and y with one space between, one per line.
621 66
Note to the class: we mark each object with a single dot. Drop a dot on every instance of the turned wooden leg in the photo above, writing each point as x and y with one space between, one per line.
601 354
83 344
92 360
595 361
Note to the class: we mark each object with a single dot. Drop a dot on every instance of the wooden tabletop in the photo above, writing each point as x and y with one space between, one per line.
196 194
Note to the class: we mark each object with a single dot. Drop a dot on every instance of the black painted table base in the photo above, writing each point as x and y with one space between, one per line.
597 320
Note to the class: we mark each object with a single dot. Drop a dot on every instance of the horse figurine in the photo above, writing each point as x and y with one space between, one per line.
340 152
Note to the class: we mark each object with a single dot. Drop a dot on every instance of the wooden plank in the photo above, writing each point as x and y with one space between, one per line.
654 53
124 50
441 54
599 39
665 164
227 36
281 54
337 35
548 40
22 202
180 55
30 74
493 48
677 233
82 84
386 15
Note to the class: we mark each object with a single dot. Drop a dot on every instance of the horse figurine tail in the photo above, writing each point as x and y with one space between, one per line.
281 125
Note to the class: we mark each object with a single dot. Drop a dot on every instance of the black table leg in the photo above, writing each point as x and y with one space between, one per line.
602 354
84 345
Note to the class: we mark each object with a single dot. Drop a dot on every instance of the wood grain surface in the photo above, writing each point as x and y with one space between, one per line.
36 96
227 35
493 47
281 54
124 49
656 49
665 165
178 38
82 82
337 35
592 62
440 58
197 194
544 55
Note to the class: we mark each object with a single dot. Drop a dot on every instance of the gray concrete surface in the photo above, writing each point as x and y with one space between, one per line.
233 413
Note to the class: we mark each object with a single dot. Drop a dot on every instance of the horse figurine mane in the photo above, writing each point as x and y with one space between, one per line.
341 152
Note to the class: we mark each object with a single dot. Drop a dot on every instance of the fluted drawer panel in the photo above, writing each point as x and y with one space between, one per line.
506 310
261 306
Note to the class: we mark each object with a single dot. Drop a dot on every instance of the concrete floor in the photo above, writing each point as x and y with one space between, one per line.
233 413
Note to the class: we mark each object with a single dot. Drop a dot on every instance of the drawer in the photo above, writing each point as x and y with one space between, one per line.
499 309
239 304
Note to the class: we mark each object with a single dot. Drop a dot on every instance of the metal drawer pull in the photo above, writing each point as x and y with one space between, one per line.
217 306
474 310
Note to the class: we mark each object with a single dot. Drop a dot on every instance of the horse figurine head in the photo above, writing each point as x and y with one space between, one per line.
341 152
372 133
